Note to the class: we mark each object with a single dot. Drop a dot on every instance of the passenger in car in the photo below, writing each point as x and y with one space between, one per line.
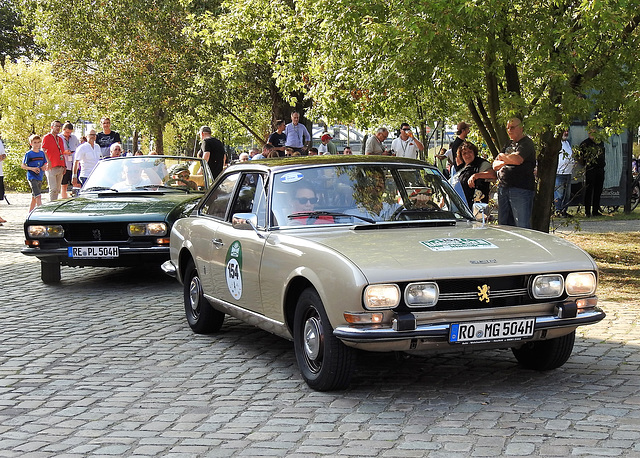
134 178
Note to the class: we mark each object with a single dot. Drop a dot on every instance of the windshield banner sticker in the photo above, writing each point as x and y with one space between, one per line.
291 177
233 269
105 206
451 244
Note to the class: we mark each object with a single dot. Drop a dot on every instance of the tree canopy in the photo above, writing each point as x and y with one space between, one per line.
240 64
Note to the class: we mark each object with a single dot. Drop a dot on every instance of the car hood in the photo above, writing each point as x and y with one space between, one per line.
114 208
464 250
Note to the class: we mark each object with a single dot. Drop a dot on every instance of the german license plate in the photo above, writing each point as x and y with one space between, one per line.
492 331
96 252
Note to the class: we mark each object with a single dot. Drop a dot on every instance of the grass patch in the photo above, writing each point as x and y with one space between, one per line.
618 257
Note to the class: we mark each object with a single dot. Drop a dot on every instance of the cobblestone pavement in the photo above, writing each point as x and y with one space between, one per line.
104 364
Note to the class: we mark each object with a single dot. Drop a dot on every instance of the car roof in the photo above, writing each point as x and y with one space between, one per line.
285 163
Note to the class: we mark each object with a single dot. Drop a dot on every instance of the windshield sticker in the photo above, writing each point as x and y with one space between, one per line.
291 177
233 269
452 244
105 206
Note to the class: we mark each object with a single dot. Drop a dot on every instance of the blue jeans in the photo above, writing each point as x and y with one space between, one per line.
562 192
515 206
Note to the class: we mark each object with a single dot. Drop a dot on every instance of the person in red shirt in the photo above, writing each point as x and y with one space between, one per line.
54 149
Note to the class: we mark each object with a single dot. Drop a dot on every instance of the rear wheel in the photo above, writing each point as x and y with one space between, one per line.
50 272
325 362
202 318
545 355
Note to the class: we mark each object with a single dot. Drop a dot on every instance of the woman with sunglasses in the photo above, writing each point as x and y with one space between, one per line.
304 201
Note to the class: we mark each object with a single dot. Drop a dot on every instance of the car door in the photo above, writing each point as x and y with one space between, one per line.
238 254
212 213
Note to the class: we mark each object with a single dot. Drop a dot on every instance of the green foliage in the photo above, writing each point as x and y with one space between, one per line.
15 178
31 97
15 38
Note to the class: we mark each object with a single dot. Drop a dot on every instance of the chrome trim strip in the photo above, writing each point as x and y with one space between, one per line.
376 333
250 317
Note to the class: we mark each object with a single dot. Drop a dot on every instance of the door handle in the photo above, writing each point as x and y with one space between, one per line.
218 243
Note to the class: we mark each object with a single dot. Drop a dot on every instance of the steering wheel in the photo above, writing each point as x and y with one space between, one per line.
398 211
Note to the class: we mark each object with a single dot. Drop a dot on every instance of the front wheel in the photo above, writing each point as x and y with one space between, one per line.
545 355
50 272
202 318
325 362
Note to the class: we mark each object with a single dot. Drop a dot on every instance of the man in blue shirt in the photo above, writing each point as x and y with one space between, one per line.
298 136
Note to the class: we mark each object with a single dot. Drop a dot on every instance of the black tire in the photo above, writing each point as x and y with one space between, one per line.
202 318
325 362
545 355
50 272
635 196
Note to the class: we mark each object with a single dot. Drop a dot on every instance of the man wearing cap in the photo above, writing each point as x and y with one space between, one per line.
327 146
406 145
297 134
212 151
463 130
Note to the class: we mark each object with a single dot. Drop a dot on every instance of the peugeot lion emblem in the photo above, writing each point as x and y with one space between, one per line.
483 293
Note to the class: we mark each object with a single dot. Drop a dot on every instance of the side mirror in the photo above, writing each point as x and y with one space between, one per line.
246 222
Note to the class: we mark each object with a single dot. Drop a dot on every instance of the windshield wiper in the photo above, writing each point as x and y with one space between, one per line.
316 214
99 188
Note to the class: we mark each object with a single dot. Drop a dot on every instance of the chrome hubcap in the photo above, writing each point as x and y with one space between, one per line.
312 338
194 293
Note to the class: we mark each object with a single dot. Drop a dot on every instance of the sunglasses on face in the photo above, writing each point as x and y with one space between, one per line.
406 129
304 200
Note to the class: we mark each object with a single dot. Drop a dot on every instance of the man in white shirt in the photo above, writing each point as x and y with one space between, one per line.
87 156
562 191
406 145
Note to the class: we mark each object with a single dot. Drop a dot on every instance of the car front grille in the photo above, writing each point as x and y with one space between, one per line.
104 232
479 293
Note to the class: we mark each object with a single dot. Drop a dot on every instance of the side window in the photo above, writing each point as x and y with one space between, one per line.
251 197
243 202
217 202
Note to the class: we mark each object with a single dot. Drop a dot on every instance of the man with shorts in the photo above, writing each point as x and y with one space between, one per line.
70 143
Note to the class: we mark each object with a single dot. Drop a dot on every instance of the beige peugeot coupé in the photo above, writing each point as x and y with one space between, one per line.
340 253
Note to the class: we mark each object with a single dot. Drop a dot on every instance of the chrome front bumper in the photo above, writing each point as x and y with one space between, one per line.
380 333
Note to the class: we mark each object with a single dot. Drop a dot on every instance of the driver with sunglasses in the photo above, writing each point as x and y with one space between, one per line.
303 201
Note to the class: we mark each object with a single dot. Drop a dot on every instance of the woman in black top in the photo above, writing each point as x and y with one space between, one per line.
475 175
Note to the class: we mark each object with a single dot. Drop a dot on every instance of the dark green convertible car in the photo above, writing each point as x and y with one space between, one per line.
122 216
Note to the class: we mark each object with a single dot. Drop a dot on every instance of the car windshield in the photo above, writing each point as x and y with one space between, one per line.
364 194
149 174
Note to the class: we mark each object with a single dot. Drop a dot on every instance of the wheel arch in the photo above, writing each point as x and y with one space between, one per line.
183 260
295 287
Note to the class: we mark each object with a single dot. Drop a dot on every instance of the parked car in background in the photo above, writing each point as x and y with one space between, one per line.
121 217
340 253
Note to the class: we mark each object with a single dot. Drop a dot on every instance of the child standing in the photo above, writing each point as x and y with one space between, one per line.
35 163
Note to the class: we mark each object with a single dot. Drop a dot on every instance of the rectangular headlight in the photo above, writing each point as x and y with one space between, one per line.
381 296
581 283
421 294
142 229
547 286
44 231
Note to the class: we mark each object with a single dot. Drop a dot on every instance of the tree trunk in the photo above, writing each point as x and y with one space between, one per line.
547 165
134 146
159 139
